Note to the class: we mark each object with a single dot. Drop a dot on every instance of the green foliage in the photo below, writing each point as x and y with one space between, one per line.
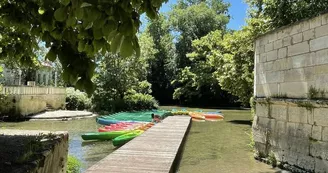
73 165
228 58
77 100
193 20
121 83
282 12
74 30
162 66
315 93
180 113
194 81
306 104
272 159
139 101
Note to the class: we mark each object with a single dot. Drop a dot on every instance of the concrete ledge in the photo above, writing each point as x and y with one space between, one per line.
62 115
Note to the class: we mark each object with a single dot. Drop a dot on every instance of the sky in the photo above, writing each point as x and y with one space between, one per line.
237 11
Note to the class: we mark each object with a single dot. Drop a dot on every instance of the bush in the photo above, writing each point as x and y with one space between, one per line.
140 101
77 100
73 165
130 102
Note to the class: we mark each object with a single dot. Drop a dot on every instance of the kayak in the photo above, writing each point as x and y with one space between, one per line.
103 121
110 130
211 119
197 116
103 135
145 126
121 140
197 120
213 116
106 122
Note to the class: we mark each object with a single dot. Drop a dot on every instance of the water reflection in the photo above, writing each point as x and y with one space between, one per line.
88 152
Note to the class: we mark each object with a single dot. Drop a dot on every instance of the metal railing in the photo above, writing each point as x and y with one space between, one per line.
26 90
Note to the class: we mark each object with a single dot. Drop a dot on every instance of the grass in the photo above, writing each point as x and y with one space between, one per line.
222 146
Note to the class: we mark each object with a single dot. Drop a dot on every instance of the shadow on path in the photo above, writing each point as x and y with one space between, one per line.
242 122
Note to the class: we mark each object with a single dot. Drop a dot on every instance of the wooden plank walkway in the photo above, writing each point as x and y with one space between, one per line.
155 151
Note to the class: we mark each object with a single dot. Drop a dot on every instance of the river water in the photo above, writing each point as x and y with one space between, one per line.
210 146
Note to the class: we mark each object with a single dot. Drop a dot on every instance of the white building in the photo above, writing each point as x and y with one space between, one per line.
43 76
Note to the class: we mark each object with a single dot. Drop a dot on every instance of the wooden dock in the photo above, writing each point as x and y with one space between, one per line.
155 151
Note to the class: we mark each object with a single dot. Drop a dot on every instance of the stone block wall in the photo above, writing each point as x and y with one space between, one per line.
292 59
22 101
290 124
33 151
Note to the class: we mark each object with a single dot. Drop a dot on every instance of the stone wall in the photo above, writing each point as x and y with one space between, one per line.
291 59
291 84
23 101
33 151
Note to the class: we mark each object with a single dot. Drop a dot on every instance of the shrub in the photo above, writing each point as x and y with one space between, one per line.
140 101
130 102
73 165
77 100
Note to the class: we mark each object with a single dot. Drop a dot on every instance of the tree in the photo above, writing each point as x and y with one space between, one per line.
194 19
120 77
74 30
230 56
282 12
198 83
162 67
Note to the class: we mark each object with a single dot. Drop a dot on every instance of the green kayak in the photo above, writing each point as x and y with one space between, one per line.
103 135
121 140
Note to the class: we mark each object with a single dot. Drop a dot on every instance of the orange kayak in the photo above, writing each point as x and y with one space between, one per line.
197 116
197 120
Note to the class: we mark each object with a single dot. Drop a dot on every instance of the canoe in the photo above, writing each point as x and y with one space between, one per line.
213 116
121 140
103 135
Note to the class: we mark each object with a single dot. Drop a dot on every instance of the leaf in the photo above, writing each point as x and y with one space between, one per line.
66 74
51 55
88 26
65 2
97 44
89 87
91 69
80 84
81 46
56 34
127 28
73 78
79 13
89 49
70 21
109 27
60 14
97 34
99 23
116 43
41 10
136 46
85 4
126 47
111 35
